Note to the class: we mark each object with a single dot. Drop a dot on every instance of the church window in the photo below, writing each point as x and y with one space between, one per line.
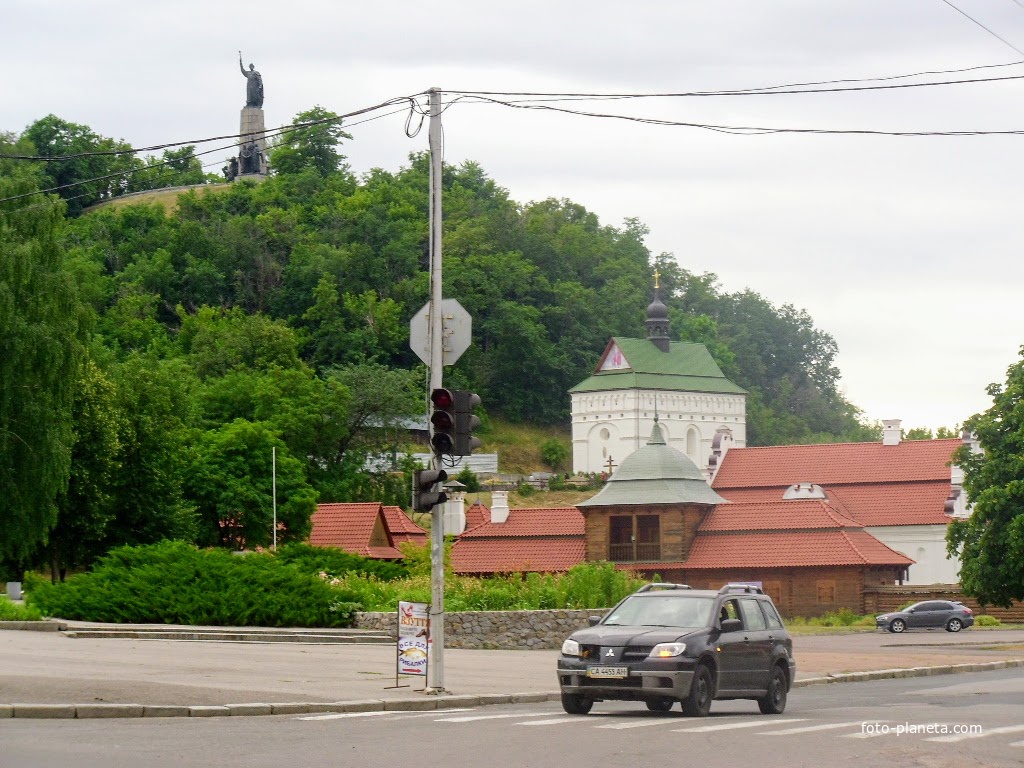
605 434
634 538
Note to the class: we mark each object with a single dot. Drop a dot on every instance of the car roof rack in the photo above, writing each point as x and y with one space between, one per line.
654 586
750 589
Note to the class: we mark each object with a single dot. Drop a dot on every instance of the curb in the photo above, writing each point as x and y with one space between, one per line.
426 704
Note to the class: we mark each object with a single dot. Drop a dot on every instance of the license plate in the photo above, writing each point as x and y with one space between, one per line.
606 672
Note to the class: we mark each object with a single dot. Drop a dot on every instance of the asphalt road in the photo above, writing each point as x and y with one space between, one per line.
906 722
47 668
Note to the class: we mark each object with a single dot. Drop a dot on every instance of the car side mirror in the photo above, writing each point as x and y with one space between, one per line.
594 620
731 625
912 610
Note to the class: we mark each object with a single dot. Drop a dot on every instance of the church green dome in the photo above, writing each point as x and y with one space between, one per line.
655 474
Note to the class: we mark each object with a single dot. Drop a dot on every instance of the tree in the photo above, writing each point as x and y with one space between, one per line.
89 177
85 509
990 543
231 480
156 399
40 349
312 142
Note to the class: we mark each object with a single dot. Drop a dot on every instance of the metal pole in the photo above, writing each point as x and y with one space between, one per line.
273 463
435 669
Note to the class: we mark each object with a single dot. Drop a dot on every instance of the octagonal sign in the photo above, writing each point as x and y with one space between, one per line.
456 332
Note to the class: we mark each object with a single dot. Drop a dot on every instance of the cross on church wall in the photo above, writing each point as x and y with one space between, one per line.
611 465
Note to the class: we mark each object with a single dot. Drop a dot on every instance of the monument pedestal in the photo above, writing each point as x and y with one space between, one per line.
252 146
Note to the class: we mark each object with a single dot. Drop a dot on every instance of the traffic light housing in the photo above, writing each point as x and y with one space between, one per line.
465 422
443 420
424 497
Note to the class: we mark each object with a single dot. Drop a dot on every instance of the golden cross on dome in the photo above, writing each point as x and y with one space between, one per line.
657 274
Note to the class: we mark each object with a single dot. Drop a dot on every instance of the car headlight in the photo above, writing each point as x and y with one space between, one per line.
667 650
570 648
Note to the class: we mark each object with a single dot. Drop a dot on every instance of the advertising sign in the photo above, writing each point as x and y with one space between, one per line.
413 634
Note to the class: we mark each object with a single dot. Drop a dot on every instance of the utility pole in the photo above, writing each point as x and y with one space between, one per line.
435 666
273 465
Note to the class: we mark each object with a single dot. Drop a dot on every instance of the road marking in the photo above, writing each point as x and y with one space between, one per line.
643 723
472 718
1017 744
730 726
811 728
554 720
379 712
987 732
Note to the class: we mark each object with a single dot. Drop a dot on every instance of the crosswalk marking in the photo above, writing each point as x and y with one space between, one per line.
472 718
810 728
956 737
730 726
642 723
380 713
555 720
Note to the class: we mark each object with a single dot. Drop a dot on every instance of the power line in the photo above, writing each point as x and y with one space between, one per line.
278 132
132 171
414 106
731 129
790 90
967 15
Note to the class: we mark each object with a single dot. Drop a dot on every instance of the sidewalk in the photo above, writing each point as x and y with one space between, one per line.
47 674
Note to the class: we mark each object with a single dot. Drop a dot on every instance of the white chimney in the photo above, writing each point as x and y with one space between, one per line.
804 491
891 432
499 506
454 515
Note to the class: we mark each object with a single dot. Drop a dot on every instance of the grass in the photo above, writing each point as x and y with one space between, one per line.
167 198
518 445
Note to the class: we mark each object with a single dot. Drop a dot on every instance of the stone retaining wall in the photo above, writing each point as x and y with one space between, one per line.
505 630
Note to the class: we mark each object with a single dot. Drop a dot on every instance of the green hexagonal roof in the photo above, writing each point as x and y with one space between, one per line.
655 474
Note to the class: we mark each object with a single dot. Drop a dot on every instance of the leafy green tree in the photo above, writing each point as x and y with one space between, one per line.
87 178
85 509
990 543
231 481
312 142
156 399
40 350
554 453
220 341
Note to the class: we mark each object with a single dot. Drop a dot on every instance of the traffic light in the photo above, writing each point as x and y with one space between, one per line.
423 495
465 422
443 421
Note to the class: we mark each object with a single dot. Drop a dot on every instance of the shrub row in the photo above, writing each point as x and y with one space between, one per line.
300 586
175 583
14 612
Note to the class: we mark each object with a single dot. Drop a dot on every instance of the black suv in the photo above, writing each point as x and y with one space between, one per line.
667 643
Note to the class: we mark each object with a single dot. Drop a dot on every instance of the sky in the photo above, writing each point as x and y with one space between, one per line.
905 249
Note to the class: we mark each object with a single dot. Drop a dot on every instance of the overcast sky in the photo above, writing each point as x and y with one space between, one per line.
906 249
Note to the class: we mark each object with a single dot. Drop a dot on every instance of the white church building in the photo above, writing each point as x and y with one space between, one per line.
613 410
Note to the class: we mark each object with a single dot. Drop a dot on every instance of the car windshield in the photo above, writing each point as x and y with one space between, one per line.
663 611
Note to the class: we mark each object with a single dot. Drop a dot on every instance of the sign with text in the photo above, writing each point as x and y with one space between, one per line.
413 635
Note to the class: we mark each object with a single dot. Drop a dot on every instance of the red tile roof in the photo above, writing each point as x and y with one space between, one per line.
556 521
875 484
403 529
776 515
476 515
541 540
790 550
836 464
349 527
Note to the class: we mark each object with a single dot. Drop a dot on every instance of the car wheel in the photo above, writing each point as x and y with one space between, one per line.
774 702
576 703
660 705
702 690
954 625
897 626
